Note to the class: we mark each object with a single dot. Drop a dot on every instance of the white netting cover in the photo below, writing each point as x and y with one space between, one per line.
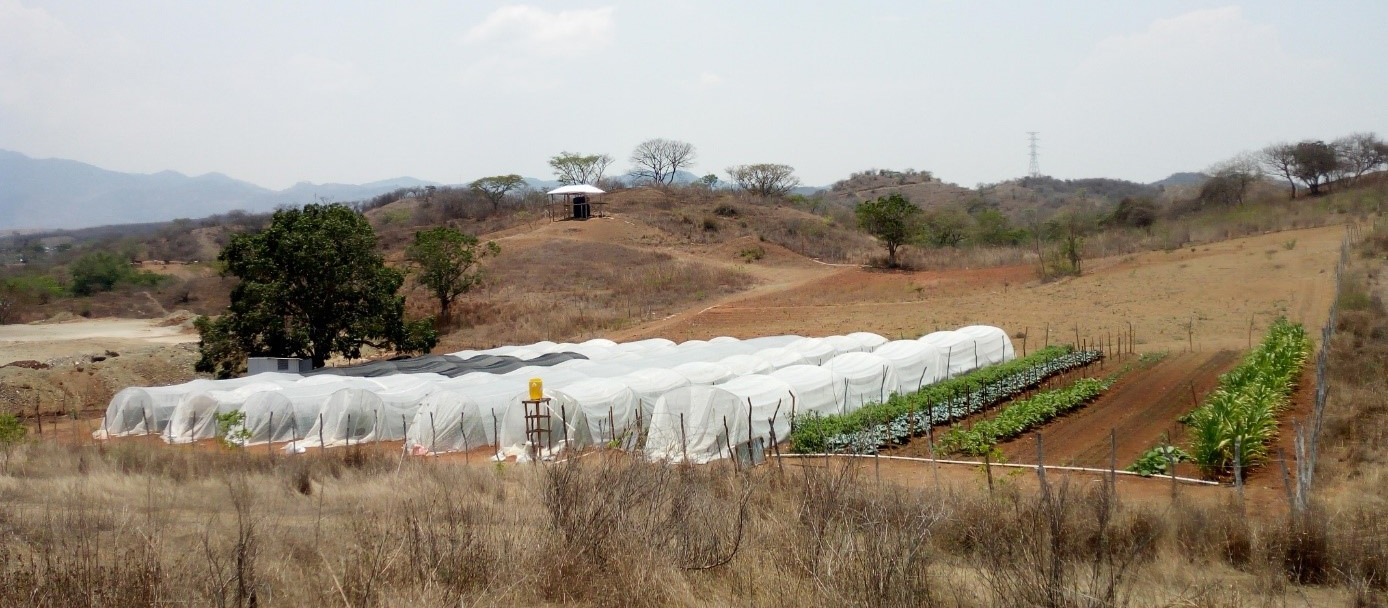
845 344
917 363
780 356
649 384
195 416
814 350
861 378
994 346
356 415
609 406
957 349
139 410
703 372
768 397
813 387
447 421
697 421
868 339
563 421
270 417
742 365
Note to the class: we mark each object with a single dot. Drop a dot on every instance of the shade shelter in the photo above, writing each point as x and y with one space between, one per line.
577 202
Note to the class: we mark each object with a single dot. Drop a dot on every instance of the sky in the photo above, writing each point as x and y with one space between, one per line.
276 92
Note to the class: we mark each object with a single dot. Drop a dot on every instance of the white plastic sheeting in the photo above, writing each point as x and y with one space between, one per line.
861 378
195 416
141 410
649 384
562 425
768 398
917 363
704 372
698 423
609 406
814 350
813 387
868 339
448 420
742 365
994 346
600 399
957 349
780 356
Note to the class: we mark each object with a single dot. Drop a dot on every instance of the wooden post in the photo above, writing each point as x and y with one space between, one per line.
987 469
684 440
434 436
269 441
467 458
1024 340
349 431
1238 467
728 440
496 434
1040 461
1048 335
321 444
1113 457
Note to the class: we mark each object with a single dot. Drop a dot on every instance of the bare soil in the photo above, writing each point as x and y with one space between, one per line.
1140 410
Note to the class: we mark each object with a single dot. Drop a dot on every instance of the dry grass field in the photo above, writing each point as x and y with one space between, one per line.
135 522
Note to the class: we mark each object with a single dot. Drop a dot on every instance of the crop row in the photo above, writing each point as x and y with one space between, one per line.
873 426
1239 418
1016 418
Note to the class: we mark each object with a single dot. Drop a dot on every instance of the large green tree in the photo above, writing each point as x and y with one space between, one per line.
311 285
573 168
447 263
893 219
494 188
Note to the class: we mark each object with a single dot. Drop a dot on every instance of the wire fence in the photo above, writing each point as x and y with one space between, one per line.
1307 440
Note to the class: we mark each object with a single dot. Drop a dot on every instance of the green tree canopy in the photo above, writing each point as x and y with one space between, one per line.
574 168
494 188
446 263
100 271
893 219
311 285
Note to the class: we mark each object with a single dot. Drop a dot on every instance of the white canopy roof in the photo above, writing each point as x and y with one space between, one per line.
577 189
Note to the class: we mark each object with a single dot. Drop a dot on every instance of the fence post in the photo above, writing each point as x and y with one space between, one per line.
684 441
1040 461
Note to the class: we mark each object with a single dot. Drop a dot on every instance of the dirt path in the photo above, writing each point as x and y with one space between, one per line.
1140 408
43 341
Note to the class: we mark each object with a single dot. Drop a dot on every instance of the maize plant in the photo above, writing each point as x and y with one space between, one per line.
1239 418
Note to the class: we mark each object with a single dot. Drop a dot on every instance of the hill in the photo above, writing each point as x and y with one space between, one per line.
59 193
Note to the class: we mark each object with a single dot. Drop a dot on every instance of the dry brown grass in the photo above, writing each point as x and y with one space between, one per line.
572 290
138 524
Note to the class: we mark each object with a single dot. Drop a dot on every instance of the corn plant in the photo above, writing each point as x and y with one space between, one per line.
1239 418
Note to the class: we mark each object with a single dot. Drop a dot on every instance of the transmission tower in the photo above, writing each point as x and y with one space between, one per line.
1035 169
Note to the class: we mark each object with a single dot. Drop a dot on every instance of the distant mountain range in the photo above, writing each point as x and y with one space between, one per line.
57 193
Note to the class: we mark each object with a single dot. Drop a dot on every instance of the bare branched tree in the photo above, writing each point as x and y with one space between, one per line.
1279 160
1360 153
658 160
764 179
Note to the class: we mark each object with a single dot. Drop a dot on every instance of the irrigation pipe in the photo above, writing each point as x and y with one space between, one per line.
1013 465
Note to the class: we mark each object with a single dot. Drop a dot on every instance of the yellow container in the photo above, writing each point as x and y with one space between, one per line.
537 389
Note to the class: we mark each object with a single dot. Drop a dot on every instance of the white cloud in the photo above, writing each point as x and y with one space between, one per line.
545 33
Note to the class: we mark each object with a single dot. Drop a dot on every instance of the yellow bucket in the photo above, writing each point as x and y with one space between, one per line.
537 389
